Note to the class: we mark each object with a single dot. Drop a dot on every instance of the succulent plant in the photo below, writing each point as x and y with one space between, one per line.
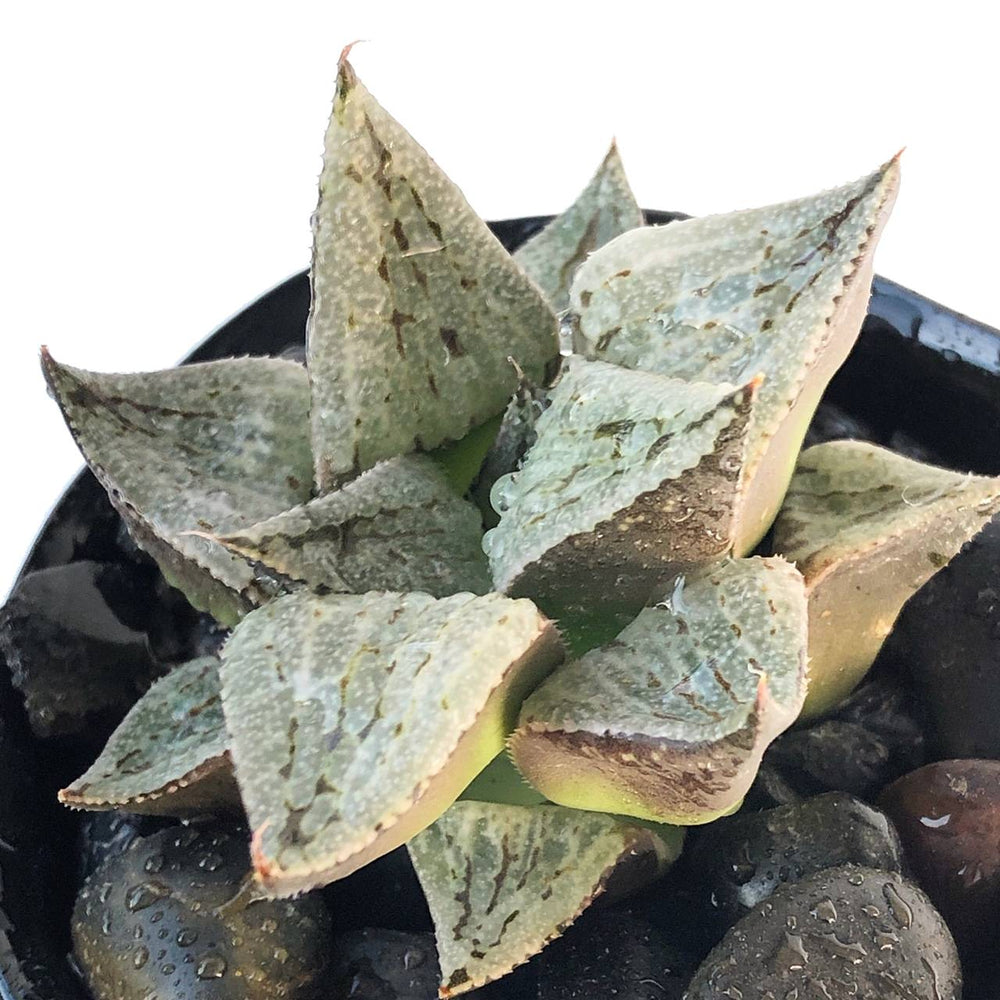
630 400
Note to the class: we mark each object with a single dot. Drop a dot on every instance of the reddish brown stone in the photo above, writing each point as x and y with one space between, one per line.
948 818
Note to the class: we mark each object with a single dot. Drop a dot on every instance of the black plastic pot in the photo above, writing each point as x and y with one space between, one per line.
921 378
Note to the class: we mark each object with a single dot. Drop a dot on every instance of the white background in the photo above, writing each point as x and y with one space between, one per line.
159 160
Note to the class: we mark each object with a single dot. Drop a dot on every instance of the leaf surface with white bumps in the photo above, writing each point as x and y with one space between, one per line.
779 291
169 756
416 306
669 721
502 881
631 475
210 447
606 208
399 526
357 719
868 528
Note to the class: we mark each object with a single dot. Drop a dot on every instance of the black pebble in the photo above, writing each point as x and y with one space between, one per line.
178 914
612 953
740 861
844 932
948 636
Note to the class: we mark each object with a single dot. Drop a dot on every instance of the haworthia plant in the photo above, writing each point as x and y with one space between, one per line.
502 881
170 754
779 291
632 474
399 526
212 447
356 720
867 528
606 208
669 721
416 305
372 679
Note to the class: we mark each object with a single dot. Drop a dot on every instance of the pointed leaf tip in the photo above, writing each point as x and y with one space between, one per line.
209 447
608 499
169 756
780 290
524 874
606 208
413 314
669 721
867 528
356 720
398 526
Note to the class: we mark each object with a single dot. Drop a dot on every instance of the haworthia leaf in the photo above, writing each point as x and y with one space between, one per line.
867 528
416 306
356 720
502 881
170 754
213 447
460 460
779 291
669 721
399 526
631 474
606 208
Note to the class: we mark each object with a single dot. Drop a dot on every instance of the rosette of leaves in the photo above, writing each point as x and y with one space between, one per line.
383 650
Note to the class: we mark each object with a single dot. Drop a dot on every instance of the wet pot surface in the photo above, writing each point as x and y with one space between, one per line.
921 379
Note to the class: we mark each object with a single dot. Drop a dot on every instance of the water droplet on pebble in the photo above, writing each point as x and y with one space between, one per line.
935 823
141 956
153 863
854 952
186 937
414 957
825 910
145 894
792 953
211 967
886 939
900 909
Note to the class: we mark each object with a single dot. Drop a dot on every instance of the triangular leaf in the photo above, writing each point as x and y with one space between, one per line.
416 306
356 720
631 474
399 526
779 291
169 756
213 446
606 208
502 881
669 721
867 528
